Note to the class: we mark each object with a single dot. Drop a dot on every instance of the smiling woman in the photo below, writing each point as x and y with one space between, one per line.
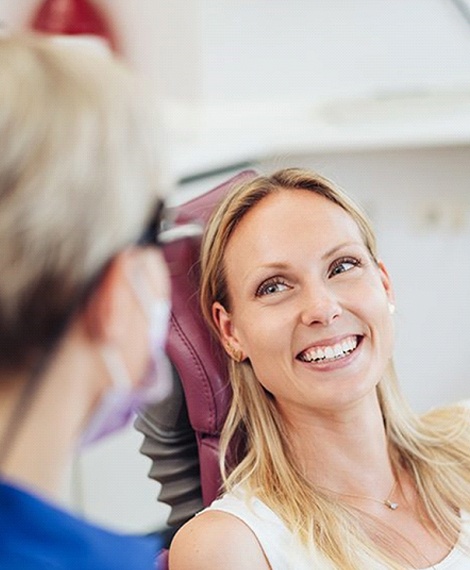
325 465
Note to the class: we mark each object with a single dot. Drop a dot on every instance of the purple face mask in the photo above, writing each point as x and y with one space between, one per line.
118 405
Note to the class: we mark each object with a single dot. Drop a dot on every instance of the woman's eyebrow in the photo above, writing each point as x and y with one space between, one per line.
335 249
258 271
274 265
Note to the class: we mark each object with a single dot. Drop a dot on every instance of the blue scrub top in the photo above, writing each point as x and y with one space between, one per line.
36 535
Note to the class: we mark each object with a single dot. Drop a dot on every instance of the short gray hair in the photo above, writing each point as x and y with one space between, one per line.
79 173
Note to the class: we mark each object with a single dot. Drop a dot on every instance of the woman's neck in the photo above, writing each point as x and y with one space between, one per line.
344 451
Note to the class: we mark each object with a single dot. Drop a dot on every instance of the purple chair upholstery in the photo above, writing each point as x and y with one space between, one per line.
182 433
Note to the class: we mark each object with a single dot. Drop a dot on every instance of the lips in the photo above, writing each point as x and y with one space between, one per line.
330 352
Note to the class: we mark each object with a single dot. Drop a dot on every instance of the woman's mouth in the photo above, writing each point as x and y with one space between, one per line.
330 353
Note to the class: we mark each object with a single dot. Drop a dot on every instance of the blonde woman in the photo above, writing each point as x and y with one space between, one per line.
83 291
325 466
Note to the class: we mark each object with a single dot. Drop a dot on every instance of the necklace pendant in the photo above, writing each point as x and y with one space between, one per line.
390 505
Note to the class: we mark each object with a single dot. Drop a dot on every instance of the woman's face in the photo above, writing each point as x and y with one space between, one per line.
309 307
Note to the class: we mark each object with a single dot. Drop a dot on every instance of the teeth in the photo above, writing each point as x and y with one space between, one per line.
330 352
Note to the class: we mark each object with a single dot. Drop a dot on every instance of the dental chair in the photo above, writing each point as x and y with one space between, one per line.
181 433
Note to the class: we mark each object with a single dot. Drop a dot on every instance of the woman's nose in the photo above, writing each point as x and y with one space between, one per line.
319 305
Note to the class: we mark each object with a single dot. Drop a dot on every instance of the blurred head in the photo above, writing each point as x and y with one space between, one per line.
79 178
273 292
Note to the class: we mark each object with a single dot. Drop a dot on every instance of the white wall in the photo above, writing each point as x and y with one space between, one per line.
323 49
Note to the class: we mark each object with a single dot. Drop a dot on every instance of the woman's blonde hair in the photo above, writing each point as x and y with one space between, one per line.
79 173
434 448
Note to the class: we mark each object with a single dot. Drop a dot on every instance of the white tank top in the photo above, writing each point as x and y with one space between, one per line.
284 552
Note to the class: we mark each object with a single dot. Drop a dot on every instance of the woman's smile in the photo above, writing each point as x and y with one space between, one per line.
333 351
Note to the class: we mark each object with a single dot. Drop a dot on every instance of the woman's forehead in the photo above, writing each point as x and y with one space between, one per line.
290 213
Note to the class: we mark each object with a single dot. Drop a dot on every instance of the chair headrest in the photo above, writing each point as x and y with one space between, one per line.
195 354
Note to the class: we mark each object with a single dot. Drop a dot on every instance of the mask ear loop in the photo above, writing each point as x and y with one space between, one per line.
140 290
115 366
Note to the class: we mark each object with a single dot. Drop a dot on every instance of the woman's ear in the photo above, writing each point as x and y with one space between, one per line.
224 323
386 282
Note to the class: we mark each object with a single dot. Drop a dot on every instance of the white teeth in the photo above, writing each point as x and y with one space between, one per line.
339 350
334 352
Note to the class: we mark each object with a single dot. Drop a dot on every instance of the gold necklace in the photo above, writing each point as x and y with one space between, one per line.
392 505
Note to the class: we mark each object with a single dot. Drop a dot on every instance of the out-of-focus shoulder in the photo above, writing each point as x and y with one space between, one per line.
214 540
462 407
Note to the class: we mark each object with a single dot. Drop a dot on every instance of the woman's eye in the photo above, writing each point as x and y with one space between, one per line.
343 265
272 286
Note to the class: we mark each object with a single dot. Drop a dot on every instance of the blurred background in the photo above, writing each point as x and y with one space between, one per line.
373 94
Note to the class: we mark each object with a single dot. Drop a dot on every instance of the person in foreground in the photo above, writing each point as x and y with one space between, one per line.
325 466
83 302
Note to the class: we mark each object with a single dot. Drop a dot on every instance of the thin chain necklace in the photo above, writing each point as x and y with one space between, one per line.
390 504
387 502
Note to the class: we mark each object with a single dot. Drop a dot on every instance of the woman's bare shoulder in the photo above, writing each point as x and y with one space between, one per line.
214 540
